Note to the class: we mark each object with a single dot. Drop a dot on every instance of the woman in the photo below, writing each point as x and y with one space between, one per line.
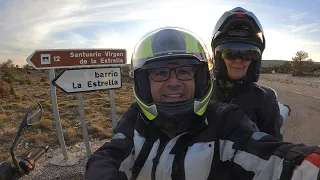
237 45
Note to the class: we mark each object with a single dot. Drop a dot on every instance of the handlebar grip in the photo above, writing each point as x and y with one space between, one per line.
35 156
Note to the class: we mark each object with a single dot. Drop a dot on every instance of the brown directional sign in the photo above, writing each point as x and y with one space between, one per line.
69 58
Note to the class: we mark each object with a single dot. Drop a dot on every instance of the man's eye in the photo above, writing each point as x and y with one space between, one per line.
183 72
161 73
186 70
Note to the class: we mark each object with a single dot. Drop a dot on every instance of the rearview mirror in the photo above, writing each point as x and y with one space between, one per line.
35 114
32 116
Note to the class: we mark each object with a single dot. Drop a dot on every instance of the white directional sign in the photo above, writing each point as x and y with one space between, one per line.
81 80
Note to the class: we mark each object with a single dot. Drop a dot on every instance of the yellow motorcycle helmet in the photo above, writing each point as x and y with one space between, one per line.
175 46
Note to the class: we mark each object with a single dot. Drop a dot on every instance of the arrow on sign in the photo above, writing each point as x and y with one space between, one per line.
66 58
82 80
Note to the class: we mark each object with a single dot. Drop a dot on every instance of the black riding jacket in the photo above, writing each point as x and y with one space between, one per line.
259 103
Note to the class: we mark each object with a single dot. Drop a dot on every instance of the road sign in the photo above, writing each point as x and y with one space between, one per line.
82 80
72 58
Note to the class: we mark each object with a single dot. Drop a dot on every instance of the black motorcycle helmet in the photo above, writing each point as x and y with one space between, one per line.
238 29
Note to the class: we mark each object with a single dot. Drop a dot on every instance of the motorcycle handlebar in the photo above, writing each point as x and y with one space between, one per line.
34 157
28 163
7 170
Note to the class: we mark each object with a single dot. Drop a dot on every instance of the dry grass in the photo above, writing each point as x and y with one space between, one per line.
96 106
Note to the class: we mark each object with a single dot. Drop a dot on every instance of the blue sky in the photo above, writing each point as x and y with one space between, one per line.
25 26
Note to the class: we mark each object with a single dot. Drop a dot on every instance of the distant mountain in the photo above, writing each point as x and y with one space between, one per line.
271 63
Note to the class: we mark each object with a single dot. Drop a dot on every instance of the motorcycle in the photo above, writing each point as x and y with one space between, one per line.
285 111
20 166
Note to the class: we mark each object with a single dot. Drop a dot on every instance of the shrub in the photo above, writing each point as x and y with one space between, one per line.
28 81
4 89
18 96
12 91
43 79
21 81
45 124
8 77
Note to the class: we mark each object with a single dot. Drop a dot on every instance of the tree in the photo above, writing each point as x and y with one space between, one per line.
285 68
308 67
7 64
298 63
27 66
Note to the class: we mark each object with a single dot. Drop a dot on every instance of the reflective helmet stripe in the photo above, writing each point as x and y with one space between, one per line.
145 49
192 44
201 106
149 111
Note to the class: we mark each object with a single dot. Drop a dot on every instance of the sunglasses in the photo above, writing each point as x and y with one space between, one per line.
183 73
232 51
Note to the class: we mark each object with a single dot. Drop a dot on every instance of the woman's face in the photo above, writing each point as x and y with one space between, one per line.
236 68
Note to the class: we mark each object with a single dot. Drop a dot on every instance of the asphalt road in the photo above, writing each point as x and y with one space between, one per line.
303 126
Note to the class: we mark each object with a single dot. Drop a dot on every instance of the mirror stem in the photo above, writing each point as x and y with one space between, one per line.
14 159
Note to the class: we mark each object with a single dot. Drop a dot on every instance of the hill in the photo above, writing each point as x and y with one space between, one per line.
271 63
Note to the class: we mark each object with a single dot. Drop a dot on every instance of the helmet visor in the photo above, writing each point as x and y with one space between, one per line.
233 51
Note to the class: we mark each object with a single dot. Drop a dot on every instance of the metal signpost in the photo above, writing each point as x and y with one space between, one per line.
80 80
56 115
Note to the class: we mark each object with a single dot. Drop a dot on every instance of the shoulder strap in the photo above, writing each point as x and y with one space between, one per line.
141 159
144 152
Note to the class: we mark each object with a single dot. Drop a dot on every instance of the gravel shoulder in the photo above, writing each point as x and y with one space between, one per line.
313 82
47 171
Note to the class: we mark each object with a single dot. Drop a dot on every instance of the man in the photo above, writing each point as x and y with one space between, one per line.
237 45
178 134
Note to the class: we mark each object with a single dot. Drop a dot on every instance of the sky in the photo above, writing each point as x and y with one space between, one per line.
289 25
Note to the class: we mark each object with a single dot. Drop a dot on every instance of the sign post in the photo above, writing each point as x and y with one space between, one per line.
80 80
113 108
56 115
83 125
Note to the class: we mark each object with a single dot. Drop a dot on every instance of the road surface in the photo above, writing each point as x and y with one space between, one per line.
303 126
